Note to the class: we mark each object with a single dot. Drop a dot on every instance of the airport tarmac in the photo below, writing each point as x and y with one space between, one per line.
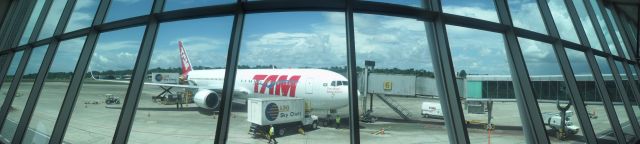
156 123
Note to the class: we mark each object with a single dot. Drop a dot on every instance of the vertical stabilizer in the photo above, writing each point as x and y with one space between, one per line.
186 63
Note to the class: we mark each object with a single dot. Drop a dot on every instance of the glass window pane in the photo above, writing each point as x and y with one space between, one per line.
615 95
632 28
634 71
32 22
480 9
590 95
603 26
122 9
617 32
587 25
554 98
13 67
183 4
526 15
563 20
54 90
22 92
627 86
82 16
482 56
403 73
51 21
93 120
161 117
413 3
289 55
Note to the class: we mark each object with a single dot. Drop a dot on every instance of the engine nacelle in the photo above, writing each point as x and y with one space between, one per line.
208 99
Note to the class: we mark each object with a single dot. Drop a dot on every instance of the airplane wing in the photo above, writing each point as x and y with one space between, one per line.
216 87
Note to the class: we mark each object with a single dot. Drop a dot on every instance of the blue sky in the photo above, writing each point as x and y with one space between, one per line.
314 39
82 15
14 62
35 60
68 54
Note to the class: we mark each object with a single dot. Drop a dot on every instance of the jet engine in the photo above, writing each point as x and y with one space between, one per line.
208 99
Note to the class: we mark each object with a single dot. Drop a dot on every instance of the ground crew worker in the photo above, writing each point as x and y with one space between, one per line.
300 130
337 121
272 136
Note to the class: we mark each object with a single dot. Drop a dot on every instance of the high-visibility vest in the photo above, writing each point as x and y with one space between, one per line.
271 131
338 119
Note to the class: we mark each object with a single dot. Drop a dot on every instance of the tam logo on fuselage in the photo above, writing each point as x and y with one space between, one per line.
278 84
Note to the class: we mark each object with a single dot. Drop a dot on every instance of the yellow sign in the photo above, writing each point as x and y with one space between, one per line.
388 85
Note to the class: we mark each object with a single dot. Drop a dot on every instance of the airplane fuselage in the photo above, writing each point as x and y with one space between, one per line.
321 89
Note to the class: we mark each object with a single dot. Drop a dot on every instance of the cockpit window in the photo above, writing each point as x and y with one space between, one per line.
339 83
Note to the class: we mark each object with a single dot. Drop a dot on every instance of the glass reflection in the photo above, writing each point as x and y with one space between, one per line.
28 30
97 108
617 32
22 92
413 3
53 91
634 77
174 115
480 9
182 4
587 25
400 49
551 91
489 105
122 9
51 21
526 15
562 20
615 94
627 86
603 26
590 95
82 15
13 68
297 59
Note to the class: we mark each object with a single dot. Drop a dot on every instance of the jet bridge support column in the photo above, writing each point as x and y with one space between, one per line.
366 113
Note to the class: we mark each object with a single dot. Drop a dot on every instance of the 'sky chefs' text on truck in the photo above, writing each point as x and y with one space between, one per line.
284 113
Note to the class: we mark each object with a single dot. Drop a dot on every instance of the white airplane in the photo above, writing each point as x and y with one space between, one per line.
323 90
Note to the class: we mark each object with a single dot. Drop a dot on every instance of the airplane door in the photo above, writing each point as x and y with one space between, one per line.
309 88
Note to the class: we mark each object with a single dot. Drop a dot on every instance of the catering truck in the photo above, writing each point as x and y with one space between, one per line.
431 109
554 120
283 113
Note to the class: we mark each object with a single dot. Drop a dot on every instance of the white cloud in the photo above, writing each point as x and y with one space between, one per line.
127 1
81 4
82 15
117 55
392 42
202 51
527 16
474 12
563 20
111 46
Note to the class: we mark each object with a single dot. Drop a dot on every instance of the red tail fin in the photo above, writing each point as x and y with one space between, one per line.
186 63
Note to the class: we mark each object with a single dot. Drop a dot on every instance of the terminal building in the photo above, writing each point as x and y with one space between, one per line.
361 71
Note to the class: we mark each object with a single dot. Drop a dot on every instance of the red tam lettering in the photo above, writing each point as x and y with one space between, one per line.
256 80
287 87
269 81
